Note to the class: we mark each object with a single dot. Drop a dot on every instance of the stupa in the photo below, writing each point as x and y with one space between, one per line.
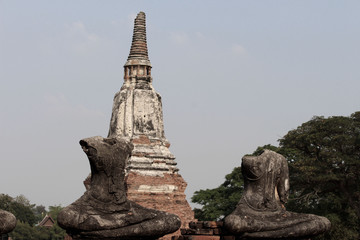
152 178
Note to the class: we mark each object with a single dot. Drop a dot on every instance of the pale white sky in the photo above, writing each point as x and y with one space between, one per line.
233 75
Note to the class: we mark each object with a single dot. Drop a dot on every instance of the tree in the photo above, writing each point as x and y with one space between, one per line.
260 150
23 231
27 215
5 202
54 211
46 233
22 212
23 200
220 201
324 163
40 212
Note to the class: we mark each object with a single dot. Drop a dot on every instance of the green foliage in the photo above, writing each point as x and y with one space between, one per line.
324 164
260 150
28 215
54 211
6 202
22 212
23 201
24 231
40 212
53 233
220 201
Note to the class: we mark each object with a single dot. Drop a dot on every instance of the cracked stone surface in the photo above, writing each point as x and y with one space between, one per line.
104 212
260 213
7 222
152 176
137 111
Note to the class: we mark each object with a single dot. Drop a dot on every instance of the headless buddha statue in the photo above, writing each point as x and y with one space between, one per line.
7 222
104 212
260 212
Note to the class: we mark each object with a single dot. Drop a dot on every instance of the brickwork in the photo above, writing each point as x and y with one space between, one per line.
139 45
166 194
152 177
204 230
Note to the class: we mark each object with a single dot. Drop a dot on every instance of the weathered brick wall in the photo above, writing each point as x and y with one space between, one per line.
166 194
204 230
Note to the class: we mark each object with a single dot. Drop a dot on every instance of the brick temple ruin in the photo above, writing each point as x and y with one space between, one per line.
152 178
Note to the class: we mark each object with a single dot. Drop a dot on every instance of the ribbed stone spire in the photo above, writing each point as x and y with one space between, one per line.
138 51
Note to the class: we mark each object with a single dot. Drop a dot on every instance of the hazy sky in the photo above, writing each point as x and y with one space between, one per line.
233 75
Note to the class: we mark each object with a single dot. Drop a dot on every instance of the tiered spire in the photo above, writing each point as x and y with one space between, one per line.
139 47
138 51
